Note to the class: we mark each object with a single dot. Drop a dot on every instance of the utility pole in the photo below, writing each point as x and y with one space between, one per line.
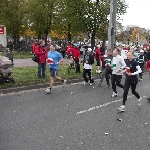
112 25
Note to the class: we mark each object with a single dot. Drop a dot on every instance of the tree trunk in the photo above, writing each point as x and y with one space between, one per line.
93 40
69 33
45 38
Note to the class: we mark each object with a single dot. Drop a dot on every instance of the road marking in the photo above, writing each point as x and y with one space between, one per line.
103 105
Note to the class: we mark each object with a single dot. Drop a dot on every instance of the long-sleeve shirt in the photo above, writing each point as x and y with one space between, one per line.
118 64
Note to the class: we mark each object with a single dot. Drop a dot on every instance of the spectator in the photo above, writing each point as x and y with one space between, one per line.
97 57
41 52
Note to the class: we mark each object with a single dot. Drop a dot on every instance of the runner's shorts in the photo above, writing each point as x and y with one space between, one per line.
53 72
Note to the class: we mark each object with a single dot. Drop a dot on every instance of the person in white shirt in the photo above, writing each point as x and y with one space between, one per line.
118 64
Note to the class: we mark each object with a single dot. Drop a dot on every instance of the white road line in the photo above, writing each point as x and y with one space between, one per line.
97 107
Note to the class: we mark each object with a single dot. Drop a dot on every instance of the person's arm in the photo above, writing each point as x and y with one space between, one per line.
60 58
123 63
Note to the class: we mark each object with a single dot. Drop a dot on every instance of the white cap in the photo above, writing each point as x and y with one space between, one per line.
89 49
141 51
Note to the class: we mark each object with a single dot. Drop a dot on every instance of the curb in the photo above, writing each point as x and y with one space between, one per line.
39 86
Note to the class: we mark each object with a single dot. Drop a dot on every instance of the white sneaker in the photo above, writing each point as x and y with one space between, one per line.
48 90
91 83
64 82
114 94
139 101
85 83
98 71
121 108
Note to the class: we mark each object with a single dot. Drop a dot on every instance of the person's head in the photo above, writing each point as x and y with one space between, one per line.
116 52
130 55
141 52
52 47
42 43
89 50
109 52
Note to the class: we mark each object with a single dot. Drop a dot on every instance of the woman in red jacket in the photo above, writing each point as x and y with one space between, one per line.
41 52
76 56
98 57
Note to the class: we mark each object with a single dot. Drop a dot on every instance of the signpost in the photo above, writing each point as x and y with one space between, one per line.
3 38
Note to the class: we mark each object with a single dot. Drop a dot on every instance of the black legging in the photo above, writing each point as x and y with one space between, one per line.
115 80
130 82
87 71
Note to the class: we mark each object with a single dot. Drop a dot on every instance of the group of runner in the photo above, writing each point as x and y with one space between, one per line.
114 66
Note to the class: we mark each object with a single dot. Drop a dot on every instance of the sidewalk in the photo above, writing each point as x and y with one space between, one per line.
29 62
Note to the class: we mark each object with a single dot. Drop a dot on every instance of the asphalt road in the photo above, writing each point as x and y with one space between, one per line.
83 120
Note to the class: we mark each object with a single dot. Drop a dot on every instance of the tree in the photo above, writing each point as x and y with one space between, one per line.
11 15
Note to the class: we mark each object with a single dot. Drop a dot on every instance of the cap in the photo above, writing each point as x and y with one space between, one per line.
141 51
89 49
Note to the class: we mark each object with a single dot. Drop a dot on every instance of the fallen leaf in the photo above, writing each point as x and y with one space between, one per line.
119 119
23 98
72 93
145 123
93 87
61 137
1 93
106 133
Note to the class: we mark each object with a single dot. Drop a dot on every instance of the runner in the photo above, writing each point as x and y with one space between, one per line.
108 72
88 61
133 69
56 59
118 64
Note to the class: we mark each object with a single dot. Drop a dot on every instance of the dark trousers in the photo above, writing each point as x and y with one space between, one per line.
108 72
116 81
77 66
142 68
41 69
63 54
130 82
85 72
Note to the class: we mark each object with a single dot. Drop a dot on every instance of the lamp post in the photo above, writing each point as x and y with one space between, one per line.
112 25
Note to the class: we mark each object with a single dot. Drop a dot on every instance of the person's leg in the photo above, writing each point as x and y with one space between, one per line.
125 93
39 69
126 89
118 81
103 75
43 69
84 75
113 82
107 73
90 75
133 87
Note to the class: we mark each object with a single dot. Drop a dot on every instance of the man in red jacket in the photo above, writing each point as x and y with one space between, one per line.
76 56
41 52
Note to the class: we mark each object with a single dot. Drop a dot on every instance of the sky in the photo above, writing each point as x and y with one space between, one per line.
137 13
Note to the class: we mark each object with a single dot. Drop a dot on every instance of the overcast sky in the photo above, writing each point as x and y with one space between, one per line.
137 14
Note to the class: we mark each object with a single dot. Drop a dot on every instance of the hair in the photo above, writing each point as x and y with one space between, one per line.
118 50
131 52
54 45
109 50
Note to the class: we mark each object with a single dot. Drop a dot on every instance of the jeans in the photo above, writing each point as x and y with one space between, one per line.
41 67
77 66
107 74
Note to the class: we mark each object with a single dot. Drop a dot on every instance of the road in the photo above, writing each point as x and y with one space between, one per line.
74 117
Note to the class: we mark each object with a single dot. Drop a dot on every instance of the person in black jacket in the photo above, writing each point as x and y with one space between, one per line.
88 61
132 70
141 61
